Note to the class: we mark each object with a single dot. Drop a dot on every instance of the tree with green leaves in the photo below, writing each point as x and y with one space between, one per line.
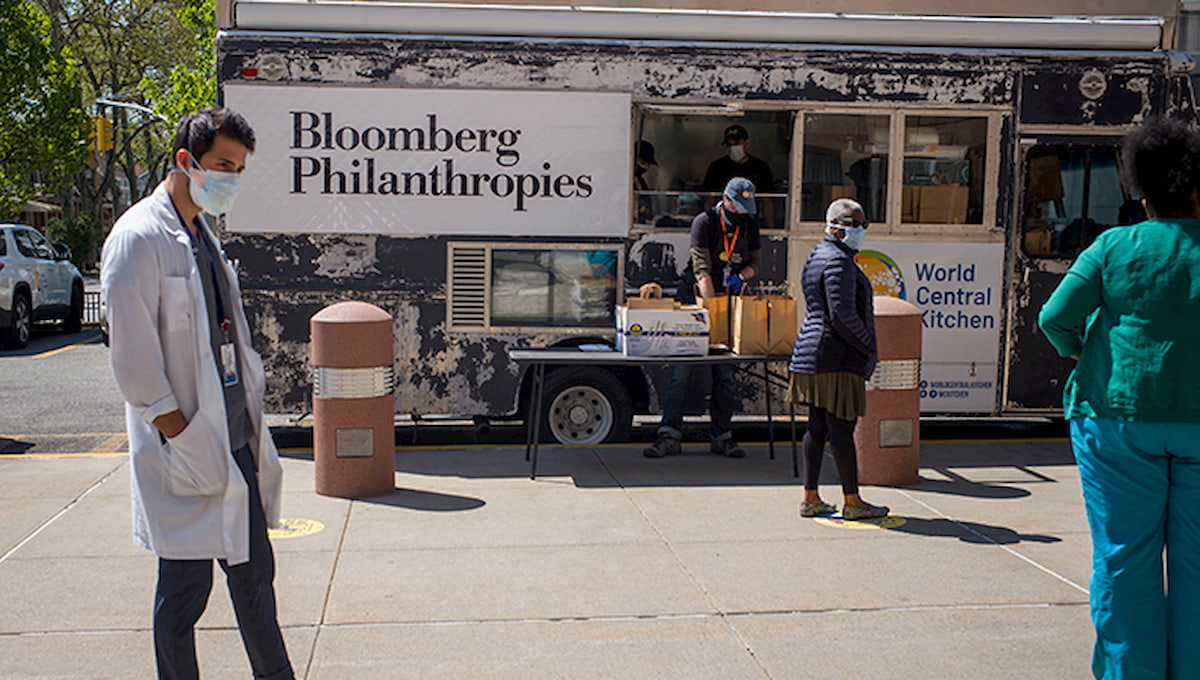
43 127
130 52
191 86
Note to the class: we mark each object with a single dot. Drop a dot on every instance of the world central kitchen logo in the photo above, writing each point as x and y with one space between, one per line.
883 273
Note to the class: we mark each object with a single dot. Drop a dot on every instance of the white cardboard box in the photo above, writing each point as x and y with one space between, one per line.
662 332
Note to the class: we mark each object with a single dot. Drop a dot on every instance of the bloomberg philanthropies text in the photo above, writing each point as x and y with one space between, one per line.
347 160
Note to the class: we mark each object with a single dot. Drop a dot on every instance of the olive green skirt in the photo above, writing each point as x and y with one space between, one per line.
843 394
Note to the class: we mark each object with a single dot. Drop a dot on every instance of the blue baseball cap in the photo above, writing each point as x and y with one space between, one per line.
741 191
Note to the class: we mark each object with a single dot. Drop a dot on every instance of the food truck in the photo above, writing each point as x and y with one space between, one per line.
469 168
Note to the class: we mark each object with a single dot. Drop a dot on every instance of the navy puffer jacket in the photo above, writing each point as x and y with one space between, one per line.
838 333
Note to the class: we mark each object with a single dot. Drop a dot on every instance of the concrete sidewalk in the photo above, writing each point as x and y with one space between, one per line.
607 566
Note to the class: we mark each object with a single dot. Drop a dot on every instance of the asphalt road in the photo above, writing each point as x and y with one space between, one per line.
60 383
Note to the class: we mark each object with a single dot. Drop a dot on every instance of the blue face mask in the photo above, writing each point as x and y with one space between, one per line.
213 191
854 235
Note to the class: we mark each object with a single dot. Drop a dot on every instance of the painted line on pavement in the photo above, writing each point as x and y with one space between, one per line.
50 353
989 539
47 435
111 444
115 443
58 514
65 454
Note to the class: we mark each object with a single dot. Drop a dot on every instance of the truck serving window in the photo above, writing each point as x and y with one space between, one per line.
1072 194
936 178
845 156
944 160
692 162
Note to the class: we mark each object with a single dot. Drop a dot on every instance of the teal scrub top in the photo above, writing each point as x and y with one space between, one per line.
1129 307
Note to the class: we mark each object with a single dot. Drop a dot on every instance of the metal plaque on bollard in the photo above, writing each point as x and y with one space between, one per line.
356 443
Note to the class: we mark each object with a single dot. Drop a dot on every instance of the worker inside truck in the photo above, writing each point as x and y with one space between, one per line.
688 139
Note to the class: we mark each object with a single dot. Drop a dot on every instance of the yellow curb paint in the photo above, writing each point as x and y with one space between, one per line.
292 527
115 443
889 522
60 350
58 435
76 454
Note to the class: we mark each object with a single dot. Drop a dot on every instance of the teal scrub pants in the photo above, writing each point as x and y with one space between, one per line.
1141 487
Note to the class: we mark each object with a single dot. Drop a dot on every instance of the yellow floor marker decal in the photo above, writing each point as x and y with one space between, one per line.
291 527
889 522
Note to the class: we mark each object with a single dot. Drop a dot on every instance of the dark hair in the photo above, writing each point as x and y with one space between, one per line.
1162 164
197 131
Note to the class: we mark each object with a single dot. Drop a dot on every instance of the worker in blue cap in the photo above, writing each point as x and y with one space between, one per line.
726 251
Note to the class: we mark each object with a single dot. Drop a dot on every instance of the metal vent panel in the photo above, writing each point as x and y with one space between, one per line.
467 300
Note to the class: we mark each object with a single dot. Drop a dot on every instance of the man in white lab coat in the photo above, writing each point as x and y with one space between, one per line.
206 476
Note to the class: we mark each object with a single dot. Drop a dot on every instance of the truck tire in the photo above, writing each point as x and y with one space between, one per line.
585 406
73 323
21 329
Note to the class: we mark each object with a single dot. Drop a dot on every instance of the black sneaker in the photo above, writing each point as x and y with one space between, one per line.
728 448
665 446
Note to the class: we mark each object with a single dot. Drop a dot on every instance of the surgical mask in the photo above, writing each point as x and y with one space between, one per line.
854 238
737 152
214 191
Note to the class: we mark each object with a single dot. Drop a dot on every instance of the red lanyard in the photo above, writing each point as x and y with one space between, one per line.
729 244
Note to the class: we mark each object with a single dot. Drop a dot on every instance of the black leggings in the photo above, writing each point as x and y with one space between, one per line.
822 426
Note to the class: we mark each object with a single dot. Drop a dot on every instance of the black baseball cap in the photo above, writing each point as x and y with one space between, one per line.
645 152
735 133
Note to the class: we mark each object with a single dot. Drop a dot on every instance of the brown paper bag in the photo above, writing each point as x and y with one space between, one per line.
748 324
718 319
650 297
782 324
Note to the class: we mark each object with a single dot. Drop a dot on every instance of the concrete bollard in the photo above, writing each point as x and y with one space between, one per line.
888 438
353 407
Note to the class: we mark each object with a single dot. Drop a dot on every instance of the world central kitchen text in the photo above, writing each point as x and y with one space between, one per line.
949 304
327 173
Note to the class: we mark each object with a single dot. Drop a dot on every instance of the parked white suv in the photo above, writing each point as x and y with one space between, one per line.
37 283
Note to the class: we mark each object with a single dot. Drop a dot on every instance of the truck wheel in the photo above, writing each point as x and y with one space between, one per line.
22 322
587 406
74 321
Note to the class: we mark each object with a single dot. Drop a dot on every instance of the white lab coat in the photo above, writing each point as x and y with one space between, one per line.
189 498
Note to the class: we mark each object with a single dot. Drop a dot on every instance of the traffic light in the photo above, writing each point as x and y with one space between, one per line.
102 134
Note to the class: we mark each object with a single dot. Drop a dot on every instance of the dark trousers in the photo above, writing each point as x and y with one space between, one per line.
824 426
182 595
720 403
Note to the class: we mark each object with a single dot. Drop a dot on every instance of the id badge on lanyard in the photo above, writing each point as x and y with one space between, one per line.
229 372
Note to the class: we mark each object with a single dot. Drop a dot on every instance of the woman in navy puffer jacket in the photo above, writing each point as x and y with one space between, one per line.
833 357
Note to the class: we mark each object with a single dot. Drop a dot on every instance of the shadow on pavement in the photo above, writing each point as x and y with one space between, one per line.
958 486
427 501
14 446
969 532
456 451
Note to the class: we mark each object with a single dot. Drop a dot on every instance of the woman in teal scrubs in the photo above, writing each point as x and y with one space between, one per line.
1129 311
